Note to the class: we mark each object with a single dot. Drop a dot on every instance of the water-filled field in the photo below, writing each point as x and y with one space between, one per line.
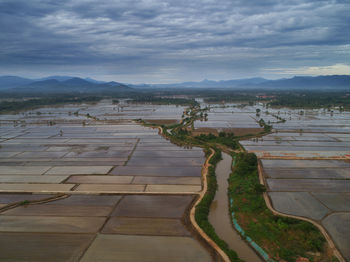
83 151
315 189
92 226
306 165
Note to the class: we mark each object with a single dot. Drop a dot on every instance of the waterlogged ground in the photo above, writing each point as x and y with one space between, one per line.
306 160
306 163
228 115
86 152
104 110
315 189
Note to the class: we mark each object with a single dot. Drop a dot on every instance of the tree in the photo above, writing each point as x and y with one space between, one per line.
258 112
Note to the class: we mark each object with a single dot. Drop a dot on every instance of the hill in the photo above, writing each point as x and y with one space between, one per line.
64 85
13 81
329 83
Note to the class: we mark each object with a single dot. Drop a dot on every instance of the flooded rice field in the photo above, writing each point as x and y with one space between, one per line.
305 163
314 189
300 144
310 134
227 120
82 151
104 110
309 120
99 228
92 154
126 186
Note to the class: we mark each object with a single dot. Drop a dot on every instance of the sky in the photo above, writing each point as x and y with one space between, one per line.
164 41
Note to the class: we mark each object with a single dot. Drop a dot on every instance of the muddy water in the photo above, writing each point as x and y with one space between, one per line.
219 214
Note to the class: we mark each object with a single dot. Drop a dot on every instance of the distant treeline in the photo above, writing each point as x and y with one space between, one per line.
295 99
163 100
230 98
10 106
312 100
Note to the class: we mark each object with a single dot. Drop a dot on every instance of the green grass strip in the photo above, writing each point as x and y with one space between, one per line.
283 238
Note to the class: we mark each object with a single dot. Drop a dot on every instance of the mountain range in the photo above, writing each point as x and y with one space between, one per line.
207 83
331 82
58 84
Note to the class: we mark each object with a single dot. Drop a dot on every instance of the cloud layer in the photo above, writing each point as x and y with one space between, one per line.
164 41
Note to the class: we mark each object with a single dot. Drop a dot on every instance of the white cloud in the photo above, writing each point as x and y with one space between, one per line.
337 69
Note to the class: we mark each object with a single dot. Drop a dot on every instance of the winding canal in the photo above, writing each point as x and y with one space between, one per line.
219 214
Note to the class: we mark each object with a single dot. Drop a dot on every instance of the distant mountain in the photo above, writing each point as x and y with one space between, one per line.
58 78
13 81
113 85
207 83
52 83
331 82
64 78
94 80
255 80
75 84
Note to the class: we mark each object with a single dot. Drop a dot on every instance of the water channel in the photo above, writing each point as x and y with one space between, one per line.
219 214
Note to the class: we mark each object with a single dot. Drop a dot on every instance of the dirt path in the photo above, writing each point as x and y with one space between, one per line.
193 211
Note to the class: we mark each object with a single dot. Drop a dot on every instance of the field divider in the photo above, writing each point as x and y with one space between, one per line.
33 202
275 212
193 212
201 194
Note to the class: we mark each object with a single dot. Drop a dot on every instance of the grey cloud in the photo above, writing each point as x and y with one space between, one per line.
167 39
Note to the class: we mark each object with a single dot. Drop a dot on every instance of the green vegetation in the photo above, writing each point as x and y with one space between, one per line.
295 99
228 96
181 96
13 106
280 119
226 139
178 134
258 111
282 237
203 208
267 128
156 100
312 100
24 203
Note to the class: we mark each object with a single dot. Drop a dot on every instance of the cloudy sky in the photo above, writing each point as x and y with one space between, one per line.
162 41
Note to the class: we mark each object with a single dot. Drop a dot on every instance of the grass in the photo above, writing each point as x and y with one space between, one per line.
284 239
203 208
24 203
226 139
179 135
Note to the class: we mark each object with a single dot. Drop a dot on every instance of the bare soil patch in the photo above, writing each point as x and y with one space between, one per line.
235 131
243 131
205 131
161 121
